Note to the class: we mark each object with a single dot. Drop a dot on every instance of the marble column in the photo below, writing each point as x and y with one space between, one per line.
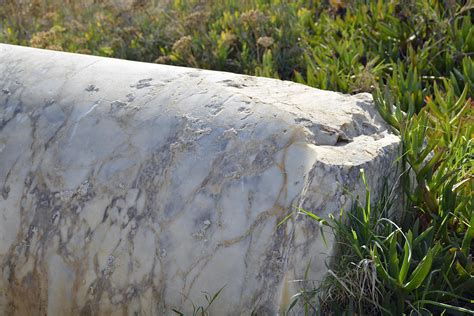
129 187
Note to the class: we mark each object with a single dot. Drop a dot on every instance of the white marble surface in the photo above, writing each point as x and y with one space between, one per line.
131 188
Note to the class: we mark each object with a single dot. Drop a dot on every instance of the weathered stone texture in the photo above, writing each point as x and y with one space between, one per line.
131 187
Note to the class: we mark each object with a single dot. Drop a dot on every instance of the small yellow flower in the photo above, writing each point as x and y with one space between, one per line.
228 38
253 17
265 41
183 45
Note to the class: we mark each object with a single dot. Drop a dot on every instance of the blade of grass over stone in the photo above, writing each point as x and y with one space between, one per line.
446 306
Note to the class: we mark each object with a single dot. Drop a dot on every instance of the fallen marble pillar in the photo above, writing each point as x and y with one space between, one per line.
130 187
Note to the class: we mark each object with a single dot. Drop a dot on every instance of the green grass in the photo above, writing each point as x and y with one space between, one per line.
416 57
202 310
